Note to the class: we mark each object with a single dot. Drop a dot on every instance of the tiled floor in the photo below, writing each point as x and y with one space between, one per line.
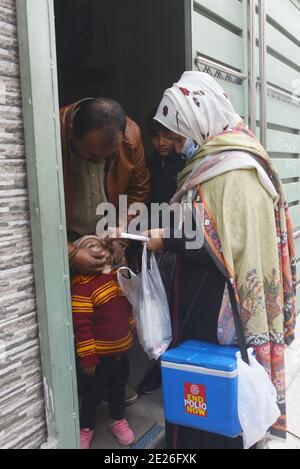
145 417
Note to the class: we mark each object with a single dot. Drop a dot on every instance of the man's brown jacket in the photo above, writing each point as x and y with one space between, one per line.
127 173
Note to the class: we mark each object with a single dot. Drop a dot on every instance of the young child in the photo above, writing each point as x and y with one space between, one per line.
164 164
102 327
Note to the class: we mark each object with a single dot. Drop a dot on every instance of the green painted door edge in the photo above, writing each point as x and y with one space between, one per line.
37 51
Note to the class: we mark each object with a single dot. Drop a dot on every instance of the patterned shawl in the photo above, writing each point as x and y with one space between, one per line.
247 225
248 232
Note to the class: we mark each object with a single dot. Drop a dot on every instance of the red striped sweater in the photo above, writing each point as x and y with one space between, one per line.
102 318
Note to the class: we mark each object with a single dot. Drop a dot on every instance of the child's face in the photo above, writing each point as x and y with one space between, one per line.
163 143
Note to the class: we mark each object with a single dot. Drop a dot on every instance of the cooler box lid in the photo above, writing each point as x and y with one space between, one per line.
204 355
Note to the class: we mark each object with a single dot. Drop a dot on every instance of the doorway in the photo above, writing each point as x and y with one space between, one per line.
130 51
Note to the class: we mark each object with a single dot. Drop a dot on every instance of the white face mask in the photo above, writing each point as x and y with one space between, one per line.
190 148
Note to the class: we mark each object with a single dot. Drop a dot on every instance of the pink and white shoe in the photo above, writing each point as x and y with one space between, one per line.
86 436
123 433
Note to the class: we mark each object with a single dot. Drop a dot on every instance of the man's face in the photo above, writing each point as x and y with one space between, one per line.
93 146
163 143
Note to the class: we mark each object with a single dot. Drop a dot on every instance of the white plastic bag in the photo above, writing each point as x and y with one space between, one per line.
146 293
257 404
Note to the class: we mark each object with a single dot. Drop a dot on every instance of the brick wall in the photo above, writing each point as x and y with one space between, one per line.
22 416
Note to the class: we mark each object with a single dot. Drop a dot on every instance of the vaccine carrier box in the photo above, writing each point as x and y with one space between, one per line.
200 387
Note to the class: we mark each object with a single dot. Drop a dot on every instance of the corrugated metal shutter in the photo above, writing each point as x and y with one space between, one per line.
22 414
220 47
218 38
283 71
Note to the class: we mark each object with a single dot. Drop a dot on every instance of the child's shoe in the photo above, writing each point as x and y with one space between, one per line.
86 436
121 430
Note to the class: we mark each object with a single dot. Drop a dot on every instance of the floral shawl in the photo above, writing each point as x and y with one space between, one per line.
248 232
247 225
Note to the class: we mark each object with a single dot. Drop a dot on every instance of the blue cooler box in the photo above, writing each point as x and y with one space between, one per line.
200 387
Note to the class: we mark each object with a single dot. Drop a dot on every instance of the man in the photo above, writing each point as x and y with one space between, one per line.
103 157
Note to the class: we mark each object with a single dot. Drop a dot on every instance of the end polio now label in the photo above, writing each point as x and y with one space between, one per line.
195 399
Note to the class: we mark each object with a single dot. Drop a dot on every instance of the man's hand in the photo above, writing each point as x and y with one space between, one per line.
113 241
89 371
112 233
89 261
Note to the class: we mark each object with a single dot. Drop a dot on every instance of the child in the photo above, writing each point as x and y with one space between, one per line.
102 327
164 164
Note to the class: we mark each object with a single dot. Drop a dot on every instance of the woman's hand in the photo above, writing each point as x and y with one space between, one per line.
111 234
89 261
156 243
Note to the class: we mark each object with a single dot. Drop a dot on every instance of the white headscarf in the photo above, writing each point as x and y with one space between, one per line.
197 108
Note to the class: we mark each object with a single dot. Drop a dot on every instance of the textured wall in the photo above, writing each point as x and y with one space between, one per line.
22 416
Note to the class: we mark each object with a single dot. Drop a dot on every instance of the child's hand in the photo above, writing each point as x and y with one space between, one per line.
89 371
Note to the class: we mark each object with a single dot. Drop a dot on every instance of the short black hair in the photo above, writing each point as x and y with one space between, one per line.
154 126
103 114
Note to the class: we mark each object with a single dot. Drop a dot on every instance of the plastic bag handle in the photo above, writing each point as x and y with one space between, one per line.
149 254
131 273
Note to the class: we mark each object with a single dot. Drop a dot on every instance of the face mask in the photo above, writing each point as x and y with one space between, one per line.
190 148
